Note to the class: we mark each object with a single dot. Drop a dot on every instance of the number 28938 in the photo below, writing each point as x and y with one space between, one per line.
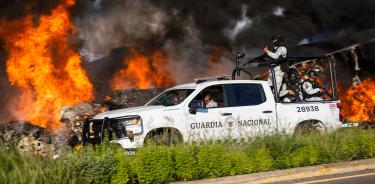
307 109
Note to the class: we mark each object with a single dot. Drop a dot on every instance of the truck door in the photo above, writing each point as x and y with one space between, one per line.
206 123
252 113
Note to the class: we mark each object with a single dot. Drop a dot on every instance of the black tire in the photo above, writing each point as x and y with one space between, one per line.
163 136
310 127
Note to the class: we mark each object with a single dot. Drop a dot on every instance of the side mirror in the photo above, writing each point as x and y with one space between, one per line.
194 105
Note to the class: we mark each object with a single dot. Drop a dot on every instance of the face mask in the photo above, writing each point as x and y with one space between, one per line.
276 43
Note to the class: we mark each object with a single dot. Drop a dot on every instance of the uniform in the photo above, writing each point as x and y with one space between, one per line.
292 84
278 54
311 91
297 92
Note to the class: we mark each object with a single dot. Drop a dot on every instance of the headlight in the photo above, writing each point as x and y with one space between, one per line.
129 122
127 126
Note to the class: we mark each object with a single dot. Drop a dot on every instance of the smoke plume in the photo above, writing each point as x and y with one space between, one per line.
187 30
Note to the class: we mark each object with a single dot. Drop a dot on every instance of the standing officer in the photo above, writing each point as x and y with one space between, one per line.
277 56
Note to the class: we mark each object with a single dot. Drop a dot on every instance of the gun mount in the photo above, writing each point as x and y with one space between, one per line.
263 61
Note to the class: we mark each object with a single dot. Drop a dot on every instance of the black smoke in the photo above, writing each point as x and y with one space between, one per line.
187 30
296 19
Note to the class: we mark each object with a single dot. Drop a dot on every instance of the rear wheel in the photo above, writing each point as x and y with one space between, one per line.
310 127
163 136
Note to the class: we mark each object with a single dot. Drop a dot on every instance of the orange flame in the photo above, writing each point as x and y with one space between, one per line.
143 72
107 98
103 109
358 103
44 67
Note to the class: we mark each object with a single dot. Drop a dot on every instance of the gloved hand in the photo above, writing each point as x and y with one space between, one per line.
265 50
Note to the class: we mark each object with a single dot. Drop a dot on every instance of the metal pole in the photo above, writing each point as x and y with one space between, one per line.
276 92
237 66
334 76
330 59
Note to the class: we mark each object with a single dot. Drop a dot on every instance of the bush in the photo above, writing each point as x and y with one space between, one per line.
123 172
107 163
213 161
186 163
154 165
241 164
261 159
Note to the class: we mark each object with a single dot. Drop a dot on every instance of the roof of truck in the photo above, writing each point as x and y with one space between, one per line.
206 83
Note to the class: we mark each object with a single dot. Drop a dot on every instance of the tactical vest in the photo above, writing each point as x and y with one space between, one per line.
296 88
281 61
314 86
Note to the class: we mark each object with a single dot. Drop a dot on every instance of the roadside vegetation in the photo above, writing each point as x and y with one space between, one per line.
108 163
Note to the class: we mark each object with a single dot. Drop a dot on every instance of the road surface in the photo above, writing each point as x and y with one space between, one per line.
360 171
360 177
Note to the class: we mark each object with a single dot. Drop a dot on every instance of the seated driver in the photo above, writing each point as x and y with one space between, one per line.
173 99
209 101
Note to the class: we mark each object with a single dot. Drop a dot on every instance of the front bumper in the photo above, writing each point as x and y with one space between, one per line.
127 144
94 131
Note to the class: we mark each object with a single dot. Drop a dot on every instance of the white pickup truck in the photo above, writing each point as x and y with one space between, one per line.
246 108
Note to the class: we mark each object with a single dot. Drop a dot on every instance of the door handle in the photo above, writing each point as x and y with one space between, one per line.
266 112
226 114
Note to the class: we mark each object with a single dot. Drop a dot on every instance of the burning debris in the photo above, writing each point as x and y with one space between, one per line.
41 141
130 98
44 66
34 139
358 102
72 117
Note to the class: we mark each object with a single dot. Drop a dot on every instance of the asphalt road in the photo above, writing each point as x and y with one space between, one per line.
361 177
358 172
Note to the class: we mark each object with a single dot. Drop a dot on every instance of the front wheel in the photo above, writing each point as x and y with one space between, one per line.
163 136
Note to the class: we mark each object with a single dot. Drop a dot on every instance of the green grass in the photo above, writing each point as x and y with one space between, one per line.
108 163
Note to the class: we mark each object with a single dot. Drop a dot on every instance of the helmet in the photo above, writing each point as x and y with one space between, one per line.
293 73
312 73
279 38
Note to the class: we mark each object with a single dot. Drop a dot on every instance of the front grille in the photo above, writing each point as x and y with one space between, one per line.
93 130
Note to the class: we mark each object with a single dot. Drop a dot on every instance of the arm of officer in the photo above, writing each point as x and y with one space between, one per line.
212 104
308 88
281 51
283 91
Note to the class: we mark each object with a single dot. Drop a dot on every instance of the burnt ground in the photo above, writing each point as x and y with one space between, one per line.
32 138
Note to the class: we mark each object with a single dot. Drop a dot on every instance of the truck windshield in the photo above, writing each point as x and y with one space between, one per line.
171 97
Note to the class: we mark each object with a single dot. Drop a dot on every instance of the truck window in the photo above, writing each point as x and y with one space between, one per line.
171 97
247 94
216 93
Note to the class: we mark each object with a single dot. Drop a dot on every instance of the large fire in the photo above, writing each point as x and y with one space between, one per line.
358 103
143 72
43 65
